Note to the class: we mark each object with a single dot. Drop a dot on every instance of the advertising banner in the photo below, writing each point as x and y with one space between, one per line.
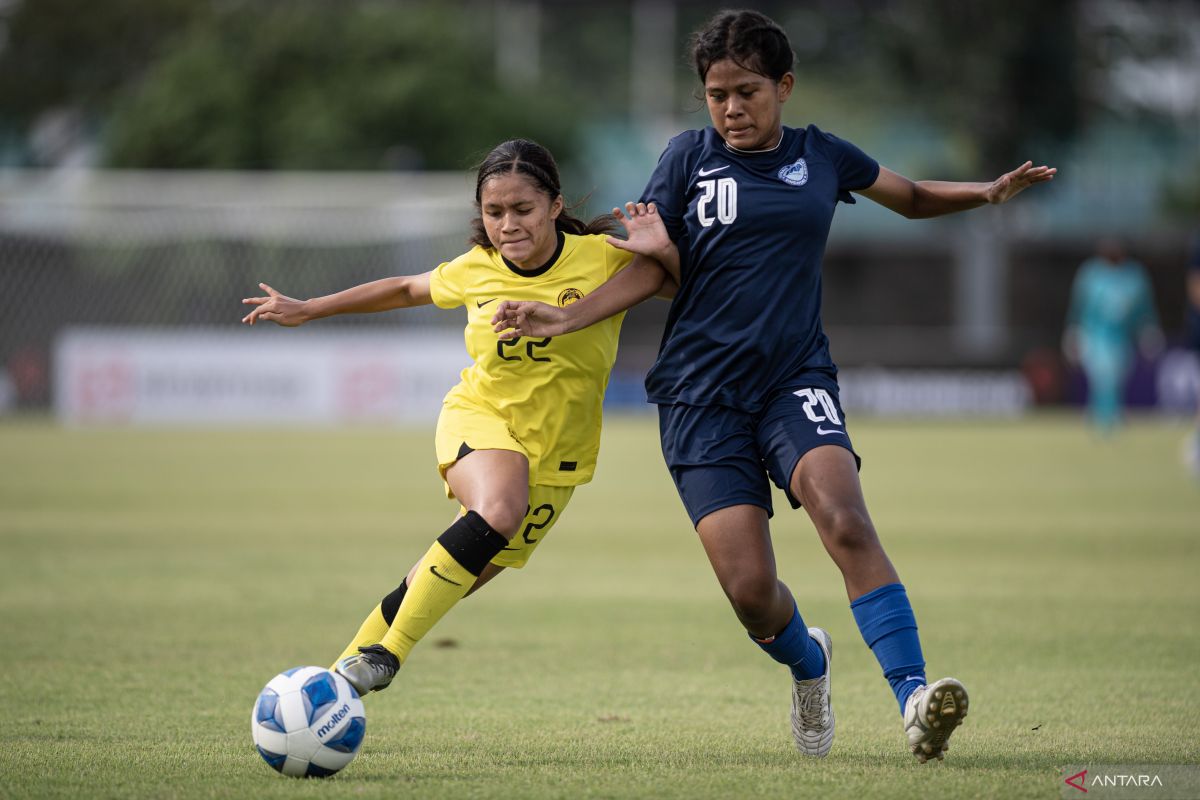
253 376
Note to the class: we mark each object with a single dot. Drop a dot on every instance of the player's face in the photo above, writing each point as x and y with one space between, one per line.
746 108
519 219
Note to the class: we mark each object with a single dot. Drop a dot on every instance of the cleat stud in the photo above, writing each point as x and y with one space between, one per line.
958 695
937 724
937 695
928 748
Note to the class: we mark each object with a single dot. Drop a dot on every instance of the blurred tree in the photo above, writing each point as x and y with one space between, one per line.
1003 73
65 53
329 86
1000 76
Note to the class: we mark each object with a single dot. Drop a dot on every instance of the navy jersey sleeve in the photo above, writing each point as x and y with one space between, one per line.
666 188
855 169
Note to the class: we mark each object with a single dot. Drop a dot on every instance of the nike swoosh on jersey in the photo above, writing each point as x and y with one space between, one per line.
485 302
821 431
436 574
704 172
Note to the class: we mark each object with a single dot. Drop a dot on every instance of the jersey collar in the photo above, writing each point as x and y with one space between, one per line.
533 273
740 152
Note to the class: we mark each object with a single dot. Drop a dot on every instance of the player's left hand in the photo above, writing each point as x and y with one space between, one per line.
516 318
647 235
1010 184
275 307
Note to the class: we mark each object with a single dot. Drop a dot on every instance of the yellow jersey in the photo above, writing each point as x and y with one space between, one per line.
548 391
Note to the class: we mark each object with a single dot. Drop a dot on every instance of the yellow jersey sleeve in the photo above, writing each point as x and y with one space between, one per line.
448 283
615 260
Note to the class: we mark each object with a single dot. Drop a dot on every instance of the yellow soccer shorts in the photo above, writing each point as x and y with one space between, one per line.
546 504
462 429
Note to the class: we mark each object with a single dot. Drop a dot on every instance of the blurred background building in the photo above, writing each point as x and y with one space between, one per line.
159 158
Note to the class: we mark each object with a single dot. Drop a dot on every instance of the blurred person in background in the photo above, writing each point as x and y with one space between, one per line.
1192 331
1110 318
745 385
521 429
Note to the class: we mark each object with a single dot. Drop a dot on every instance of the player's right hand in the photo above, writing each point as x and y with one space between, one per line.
516 318
644 229
275 307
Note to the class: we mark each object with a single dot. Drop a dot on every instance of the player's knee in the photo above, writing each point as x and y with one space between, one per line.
753 597
849 529
503 515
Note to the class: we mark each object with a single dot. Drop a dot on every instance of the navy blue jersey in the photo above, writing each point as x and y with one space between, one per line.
751 231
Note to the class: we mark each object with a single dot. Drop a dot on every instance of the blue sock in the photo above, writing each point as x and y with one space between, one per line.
794 647
885 619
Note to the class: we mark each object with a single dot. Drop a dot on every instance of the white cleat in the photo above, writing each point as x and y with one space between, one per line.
931 714
812 711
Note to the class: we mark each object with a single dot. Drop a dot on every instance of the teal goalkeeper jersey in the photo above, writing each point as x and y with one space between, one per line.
1111 303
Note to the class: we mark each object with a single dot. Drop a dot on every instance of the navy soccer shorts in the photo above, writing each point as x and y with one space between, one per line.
721 457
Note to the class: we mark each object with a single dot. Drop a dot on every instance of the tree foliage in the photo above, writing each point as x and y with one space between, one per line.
66 53
328 86
1001 75
1006 77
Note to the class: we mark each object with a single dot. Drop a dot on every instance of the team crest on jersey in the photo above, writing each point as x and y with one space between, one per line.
568 296
795 174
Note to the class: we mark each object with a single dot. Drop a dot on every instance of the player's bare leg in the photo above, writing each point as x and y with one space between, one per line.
738 543
826 483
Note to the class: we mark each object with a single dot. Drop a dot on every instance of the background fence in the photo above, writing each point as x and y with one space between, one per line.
165 252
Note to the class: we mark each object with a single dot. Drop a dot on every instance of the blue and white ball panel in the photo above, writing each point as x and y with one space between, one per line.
331 760
266 711
315 771
272 746
319 692
350 737
308 721
294 710
275 760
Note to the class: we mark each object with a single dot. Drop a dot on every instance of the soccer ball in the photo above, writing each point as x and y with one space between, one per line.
308 722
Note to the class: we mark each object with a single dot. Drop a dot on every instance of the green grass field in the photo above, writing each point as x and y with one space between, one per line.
152 581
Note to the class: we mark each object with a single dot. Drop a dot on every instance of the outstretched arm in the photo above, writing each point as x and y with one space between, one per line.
403 291
641 279
924 199
654 270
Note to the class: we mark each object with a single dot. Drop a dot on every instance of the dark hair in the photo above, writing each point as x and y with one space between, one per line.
749 39
534 162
